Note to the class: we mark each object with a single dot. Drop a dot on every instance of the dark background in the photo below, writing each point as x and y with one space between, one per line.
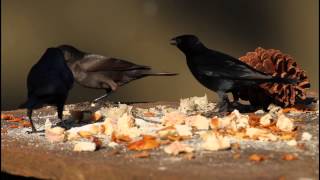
140 31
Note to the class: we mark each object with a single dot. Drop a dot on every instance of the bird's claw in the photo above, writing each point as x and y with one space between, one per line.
63 124
33 131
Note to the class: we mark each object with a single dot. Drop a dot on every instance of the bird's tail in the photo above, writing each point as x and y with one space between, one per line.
283 80
30 103
23 105
153 73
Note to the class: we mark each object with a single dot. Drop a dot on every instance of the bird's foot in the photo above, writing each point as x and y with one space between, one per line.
34 131
236 104
225 108
244 108
63 124
99 98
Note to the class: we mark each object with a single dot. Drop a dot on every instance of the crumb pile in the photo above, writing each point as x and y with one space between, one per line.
186 129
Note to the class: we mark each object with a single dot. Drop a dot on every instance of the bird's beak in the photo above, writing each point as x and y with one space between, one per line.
173 42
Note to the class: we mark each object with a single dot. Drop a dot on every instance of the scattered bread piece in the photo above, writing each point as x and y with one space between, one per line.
165 132
284 123
198 121
96 116
177 147
115 112
173 118
85 134
213 142
306 136
260 134
214 123
292 142
145 143
113 144
266 120
56 134
183 130
85 146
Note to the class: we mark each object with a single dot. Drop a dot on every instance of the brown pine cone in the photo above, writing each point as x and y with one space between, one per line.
275 63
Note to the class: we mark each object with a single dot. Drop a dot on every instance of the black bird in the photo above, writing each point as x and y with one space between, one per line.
101 72
48 82
220 72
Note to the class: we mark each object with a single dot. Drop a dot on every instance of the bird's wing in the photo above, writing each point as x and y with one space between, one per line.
94 63
221 65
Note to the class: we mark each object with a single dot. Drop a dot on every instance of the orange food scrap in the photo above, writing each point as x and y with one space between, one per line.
167 128
113 137
102 128
289 109
14 120
254 120
274 128
13 126
165 142
174 137
143 154
85 134
145 143
97 141
289 157
7 116
214 122
96 116
257 157
25 124
148 137
123 138
120 138
287 135
148 114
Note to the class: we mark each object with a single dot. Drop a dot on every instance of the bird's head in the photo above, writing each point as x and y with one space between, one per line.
71 53
186 42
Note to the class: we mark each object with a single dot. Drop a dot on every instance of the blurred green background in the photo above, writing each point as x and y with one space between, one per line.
140 31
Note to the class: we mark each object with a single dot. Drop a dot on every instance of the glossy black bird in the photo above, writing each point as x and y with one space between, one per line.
101 72
48 82
220 72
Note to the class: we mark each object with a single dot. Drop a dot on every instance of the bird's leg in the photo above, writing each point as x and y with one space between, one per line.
224 104
108 92
60 114
109 83
101 97
235 102
34 130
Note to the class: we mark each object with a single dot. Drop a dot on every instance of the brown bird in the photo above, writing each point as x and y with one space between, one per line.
101 72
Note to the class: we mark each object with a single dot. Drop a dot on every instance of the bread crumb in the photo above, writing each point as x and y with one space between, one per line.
176 147
214 142
306 136
265 120
284 123
84 146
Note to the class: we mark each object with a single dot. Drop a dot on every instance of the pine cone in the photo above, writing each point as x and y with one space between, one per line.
275 63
